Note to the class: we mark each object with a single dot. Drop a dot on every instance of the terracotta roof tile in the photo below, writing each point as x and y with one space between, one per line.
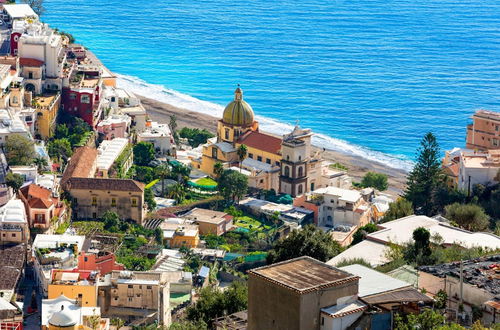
32 62
38 197
80 164
105 184
261 141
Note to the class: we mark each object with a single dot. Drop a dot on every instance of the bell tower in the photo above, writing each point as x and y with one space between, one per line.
293 172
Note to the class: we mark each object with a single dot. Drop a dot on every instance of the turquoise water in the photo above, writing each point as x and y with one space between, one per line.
370 76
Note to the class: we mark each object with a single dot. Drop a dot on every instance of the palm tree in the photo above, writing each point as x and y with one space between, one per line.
177 192
40 163
218 169
242 153
162 171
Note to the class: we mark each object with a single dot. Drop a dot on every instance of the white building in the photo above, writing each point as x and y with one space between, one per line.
54 252
11 124
478 168
159 135
108 152
13 222
125 102
400 232
17 12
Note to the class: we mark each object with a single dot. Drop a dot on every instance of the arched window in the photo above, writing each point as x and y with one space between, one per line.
301 171
226 134
287 157
15 100
300 189
287 171
300 158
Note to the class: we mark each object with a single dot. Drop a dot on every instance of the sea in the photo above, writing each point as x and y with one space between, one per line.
370 77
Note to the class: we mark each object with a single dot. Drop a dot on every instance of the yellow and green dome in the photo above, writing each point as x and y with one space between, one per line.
238 112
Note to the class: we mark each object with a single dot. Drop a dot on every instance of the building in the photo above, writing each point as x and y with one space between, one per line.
159 135
209 221
83 164
46 108
478 168
75 284
484 132
295 294
11 124
54 252
114 126
169 260
32 72
92 197
12 262
65 313
140 296
178 232
380 205
123 102
114 158
286 164
82 91
13 223
103 262
475 283
29 172
400 232
42 206
15 12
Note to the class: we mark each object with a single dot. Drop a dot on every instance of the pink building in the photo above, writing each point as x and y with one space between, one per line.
114 126
102 261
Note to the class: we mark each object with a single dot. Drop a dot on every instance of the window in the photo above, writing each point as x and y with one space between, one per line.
214 153
301 171
287 157
39 218
13 235
134 202
149 287
322 320
130 286
261 180
85 259
259 158
129 299
312 186
287 171
300 189
497 128
113 201
30 75
268 161
113 99
16 38
85 99
226 133
75 200
277 163
94 201
495 142
94 215
250 155
72 96
116 298
15 100
300 158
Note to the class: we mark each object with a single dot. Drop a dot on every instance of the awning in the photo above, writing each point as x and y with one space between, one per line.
397 296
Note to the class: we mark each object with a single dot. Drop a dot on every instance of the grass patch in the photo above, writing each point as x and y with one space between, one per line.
251 223
88 227
206 181
62 228
338 166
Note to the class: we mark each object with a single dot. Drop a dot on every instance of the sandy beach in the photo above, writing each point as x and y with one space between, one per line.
357 166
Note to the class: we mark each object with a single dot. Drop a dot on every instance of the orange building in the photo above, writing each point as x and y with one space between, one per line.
484 132
75 284
103 262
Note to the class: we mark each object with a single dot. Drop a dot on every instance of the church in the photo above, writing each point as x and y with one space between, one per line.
287 165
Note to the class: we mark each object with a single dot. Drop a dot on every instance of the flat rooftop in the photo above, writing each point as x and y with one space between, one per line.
303 274
204 215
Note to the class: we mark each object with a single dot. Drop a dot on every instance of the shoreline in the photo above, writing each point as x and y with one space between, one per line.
357 166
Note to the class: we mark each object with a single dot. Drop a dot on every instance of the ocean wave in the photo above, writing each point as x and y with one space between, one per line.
177 99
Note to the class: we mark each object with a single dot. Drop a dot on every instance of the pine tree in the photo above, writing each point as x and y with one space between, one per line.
425 177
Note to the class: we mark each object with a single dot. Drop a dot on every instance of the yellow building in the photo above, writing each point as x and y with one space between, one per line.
178 232
46 114
78 285
238 127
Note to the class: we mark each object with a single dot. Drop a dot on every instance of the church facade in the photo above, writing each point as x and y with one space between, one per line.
286 164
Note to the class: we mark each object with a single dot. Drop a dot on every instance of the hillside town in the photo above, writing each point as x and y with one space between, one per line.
110 220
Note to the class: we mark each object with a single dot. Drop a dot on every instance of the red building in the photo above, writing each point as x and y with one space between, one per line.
14 40
81 95
104 262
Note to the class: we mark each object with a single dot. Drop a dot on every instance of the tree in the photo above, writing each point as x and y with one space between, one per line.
111 220
180 172
361 233
173 128
61 131
428 319
242 153
218 169
187 325
36 5
19 150
177 192
144 153
60 148
143 174
420 251
195 136
232 185
14 180
398 209
375 180
425 177
213 302
40 163
309 241
468 216
149 198
440 299
117 322
162 171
